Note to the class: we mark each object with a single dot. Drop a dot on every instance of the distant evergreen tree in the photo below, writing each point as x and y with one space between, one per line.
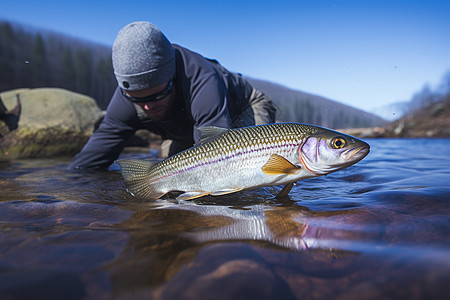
102 78
39 69
68 69
6 53
83 73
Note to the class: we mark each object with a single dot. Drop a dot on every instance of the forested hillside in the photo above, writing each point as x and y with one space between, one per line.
297 106
31 58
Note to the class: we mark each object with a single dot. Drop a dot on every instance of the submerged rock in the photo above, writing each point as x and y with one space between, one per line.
53 122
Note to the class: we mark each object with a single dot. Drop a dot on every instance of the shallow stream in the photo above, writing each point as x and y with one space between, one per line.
377 230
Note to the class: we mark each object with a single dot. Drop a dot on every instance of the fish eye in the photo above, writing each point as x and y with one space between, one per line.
338 143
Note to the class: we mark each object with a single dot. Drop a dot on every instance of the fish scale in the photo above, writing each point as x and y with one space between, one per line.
233 160
244 141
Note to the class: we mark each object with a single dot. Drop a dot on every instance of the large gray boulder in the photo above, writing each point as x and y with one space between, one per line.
53 122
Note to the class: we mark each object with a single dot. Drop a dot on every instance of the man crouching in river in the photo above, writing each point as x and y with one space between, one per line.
171 91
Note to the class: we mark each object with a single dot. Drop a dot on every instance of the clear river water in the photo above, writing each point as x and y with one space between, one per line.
377 230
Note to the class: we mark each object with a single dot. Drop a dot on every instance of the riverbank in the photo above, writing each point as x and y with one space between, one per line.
432 121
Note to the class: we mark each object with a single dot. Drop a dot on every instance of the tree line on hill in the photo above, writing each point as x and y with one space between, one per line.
297 106
420 100
31 58
428 96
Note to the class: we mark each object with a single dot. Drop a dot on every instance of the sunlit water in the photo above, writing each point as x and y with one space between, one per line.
377 230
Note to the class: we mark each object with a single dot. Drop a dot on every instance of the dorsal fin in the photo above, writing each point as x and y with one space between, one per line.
209 133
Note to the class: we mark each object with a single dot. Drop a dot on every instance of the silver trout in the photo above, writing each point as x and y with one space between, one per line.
230 160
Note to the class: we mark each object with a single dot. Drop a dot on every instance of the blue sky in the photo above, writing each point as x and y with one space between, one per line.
364 53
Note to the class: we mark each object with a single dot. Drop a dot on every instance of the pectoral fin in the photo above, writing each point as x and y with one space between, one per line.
278 165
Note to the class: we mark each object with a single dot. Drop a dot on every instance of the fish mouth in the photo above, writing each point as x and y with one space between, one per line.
359 152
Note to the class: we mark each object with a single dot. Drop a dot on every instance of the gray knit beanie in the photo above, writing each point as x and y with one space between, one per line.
142 57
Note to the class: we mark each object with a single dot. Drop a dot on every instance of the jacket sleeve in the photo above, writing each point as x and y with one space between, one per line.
108 141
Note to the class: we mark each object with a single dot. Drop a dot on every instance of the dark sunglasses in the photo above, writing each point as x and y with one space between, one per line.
152 98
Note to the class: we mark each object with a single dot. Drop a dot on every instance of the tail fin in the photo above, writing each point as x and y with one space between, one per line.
136 174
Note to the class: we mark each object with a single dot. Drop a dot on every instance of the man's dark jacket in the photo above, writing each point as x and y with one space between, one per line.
207 95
